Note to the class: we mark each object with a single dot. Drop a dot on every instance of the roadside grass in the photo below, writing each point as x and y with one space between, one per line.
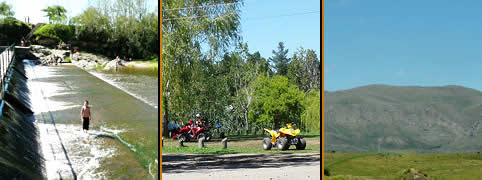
235 145
383 166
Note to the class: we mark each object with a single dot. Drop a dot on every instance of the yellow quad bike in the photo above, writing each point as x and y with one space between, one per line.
283 138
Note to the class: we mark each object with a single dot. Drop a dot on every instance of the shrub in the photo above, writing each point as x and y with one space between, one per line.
12 30
326 172
58 32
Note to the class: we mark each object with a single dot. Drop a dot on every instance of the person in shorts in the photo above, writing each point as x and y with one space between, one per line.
85 116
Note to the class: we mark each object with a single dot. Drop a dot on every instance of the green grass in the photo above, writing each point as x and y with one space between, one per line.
100 67
154 63
308 136
383 166
235 145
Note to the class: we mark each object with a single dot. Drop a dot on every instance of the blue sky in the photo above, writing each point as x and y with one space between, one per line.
33 8
422 43
264 23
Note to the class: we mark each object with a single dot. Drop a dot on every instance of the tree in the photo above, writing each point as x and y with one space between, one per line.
277 102
6 10
280 60
125 28
311 117
189 73
55 13
304 70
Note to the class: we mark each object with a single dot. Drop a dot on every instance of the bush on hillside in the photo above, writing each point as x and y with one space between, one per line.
58 32
12 30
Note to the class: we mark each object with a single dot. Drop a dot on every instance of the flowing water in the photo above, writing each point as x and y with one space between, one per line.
123 139
140 83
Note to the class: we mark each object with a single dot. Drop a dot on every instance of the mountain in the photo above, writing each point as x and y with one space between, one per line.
425 119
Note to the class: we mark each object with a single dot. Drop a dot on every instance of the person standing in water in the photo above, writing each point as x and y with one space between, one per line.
117 59
85 116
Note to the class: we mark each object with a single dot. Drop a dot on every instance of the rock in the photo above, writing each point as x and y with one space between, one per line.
413 174
104 63
81 63
75 57
111 65
61 53
91 65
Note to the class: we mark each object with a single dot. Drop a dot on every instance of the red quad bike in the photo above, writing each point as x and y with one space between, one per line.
198 133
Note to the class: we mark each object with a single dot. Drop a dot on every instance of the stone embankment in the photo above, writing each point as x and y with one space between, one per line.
83 60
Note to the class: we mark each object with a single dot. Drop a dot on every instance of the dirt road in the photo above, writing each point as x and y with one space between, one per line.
241 166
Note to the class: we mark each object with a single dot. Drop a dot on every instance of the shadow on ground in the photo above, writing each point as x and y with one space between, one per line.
182 163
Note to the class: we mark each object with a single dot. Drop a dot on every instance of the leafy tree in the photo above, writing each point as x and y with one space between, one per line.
311 117
277 102
59 32
12 30
124 27
261 64
304 70
55 13
6 10
280 60
189 72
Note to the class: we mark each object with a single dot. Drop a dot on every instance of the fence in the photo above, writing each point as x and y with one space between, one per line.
6 58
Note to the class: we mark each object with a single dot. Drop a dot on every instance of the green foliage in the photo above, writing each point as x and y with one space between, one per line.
277 102
58 32
311 117
326 172
6 10
191 80
280 60
55 13
202 75
304 70
12 30
123 28
68 60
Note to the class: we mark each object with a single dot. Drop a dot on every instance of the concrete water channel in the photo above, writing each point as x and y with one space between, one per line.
123 140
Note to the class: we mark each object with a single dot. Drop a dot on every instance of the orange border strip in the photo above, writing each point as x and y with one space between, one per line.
322 89
160 89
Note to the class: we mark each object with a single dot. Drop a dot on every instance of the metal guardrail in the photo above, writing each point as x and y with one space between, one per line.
6 59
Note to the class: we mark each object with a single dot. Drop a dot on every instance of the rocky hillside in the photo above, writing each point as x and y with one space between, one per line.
425 119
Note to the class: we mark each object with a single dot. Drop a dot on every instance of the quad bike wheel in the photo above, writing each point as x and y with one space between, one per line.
301 144
182 137
282 143
267 144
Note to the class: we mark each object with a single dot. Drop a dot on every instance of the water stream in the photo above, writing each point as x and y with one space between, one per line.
123 139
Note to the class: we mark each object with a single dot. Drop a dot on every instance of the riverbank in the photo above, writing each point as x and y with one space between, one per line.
84 60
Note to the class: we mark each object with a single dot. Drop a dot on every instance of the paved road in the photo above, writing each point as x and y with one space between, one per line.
241 166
